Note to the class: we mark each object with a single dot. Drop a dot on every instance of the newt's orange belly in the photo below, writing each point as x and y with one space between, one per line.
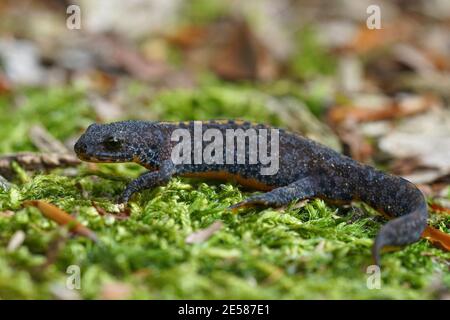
226 176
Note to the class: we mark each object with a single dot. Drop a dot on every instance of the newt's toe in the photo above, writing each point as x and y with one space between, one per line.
235 207
249 203
123 199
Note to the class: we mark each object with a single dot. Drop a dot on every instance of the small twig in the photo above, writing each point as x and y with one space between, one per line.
36 161
204 234
99 209
45 142
54 248
123 214
62 218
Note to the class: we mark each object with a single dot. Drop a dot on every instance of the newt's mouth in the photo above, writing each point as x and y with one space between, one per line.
101 157
86 153
95 159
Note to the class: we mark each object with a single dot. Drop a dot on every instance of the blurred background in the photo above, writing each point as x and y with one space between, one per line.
321 68
315 66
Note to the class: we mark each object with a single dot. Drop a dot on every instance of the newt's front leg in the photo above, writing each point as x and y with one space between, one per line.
148 180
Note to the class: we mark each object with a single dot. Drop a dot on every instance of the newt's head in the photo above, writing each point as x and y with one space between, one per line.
118 142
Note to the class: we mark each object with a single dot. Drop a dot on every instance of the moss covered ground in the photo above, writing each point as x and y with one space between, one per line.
310 250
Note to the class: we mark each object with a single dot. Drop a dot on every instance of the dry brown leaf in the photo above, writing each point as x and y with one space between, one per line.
6 214
102 82
397 109
122 215
100 210
426 138
404 166
355 145
440 61
134 62
5 85
204 234
438 238
243 57
439 208
106 110
367 40
189 36
62 218
115 291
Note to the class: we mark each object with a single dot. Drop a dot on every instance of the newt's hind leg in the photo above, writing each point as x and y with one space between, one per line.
301 189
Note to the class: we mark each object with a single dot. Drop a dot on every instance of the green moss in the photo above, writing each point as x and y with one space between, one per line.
214 102
51 107
316 251
310 59
309 252
204 11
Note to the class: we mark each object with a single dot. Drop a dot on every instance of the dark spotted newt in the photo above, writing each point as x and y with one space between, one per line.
306 169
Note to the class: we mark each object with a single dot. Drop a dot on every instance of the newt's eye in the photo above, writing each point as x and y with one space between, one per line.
112 143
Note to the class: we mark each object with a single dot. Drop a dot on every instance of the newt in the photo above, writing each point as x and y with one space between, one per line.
306 169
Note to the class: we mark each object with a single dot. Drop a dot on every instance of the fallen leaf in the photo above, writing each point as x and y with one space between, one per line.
132 19
439 208
426 138
101 82
123 214
61 292
5 86
188 37
120 55
242 56
21 62
6 214
134 62
115 291
106 110
62 218
414 58
16 241
355 144
438 83
99 209
367 40
437 238
404 166
401 107
204 234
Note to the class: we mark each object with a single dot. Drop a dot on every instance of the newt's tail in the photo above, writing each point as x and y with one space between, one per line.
403 230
